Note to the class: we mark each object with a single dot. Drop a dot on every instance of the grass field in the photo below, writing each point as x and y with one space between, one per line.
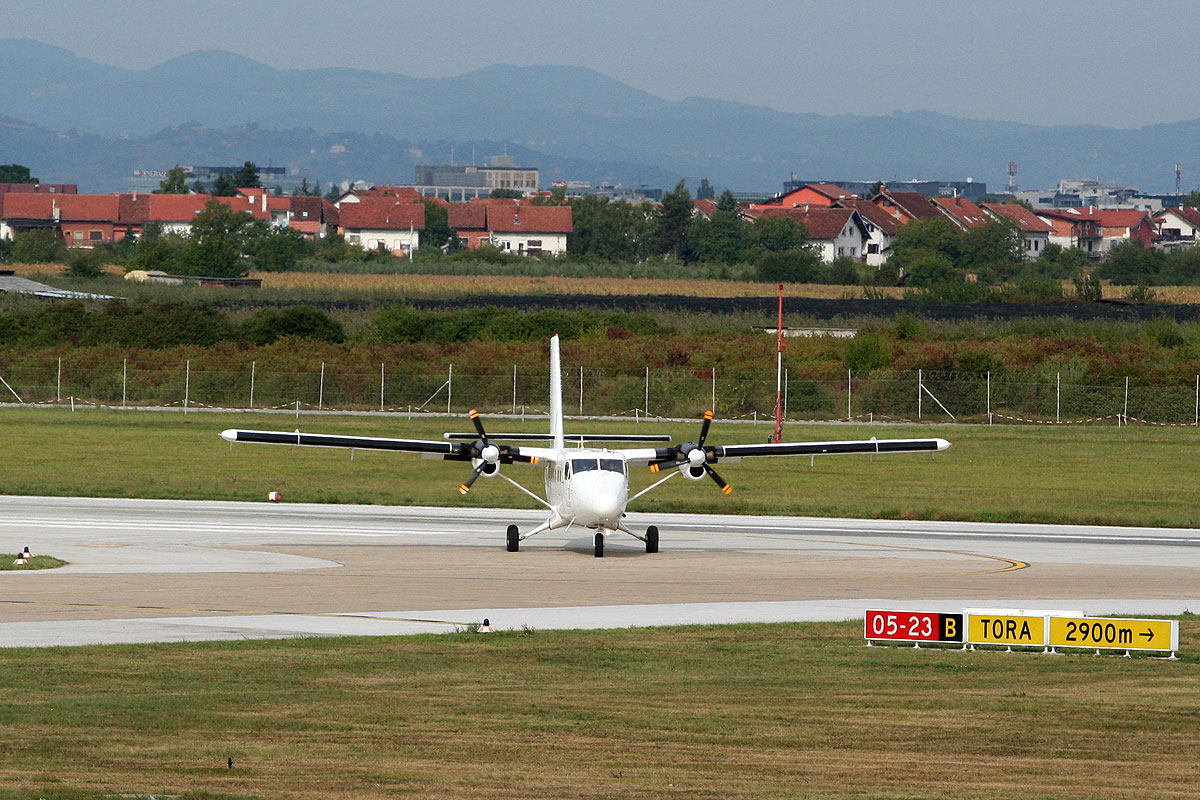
753 711
37 562
1099 475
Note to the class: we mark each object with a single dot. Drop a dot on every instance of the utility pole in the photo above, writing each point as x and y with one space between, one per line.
779 370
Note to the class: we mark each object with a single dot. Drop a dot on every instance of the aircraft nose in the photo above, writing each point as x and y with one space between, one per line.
605 505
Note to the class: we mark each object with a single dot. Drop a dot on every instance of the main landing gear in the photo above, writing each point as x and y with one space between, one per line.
514 537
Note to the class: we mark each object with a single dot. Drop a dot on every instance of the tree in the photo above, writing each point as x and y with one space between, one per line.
214 247
507 193
224 186
306 190
929 251
673 221
1129 263
247 177
437 225
798 265
16 173
721 238
335 191
614 231
1190 200
39 246
706 191
276 249
993 250
155 250
776 234
175 182
927 267
305 322
727 202
1056 261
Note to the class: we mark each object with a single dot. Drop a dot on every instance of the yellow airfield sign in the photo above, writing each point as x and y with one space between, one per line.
1115 634
1001 628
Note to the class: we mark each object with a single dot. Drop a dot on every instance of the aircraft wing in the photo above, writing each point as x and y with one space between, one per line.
449 451
715 453
828 448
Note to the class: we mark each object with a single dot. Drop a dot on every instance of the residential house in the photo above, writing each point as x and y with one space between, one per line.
1177 227
530 230
1096 230
469 223
811 194
353 195
835 232
383 223
881 229
313 216
81 220
1035 232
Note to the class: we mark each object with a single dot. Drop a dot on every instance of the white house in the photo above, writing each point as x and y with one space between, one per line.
383 223
529 230
834 231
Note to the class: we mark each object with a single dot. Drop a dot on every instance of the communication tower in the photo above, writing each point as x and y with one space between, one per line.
1012 177
1178 167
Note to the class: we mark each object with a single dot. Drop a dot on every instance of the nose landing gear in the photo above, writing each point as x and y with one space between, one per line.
598 551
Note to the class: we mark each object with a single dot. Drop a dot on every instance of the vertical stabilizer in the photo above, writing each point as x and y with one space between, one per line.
556 407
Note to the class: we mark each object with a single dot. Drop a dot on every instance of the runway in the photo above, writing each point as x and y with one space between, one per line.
161 570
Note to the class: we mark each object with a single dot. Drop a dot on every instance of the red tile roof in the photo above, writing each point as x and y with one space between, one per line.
81 207
383 214
175 207
831 190
912 204
871 213
1021 216
535 219
38 188
467 216
822 222
962 211
706 208
1191 215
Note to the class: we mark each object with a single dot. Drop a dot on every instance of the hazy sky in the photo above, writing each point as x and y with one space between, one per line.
1107 62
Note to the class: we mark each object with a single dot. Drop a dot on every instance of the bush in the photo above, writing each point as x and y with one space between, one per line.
798 265
39 246
305 322
868 351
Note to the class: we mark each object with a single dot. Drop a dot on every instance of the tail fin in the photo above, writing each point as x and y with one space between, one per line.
556 407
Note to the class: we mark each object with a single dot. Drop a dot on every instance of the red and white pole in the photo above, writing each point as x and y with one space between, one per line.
779 370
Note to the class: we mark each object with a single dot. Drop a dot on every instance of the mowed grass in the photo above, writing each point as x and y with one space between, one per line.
37 562
751 711
1137 475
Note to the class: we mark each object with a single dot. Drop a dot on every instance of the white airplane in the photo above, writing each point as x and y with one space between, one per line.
585 486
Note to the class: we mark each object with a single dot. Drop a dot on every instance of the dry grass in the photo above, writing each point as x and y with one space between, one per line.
753 711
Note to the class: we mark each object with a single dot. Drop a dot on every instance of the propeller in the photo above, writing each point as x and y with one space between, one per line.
693 454
489 455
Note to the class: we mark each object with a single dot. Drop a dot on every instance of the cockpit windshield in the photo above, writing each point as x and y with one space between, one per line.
606 464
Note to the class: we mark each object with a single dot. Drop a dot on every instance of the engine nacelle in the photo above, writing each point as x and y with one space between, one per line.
490 469
692 472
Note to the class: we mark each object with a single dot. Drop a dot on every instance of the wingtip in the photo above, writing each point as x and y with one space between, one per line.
942 444
229 435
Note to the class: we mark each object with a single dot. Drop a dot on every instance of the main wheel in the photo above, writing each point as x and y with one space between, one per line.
599 551
652 539
514 539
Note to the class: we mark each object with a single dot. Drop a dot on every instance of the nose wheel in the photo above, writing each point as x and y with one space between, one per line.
652 539
514 539
598 550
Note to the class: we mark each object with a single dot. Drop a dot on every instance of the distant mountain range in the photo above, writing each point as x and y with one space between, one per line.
572 122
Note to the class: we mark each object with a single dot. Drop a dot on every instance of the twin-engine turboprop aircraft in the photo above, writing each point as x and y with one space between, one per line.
585 486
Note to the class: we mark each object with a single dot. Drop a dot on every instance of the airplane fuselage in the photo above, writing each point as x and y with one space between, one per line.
588 487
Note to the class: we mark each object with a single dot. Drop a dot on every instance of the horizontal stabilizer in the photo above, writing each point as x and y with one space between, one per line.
570 437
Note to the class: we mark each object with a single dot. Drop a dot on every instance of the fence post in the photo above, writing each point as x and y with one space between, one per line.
58 392
849 379
785 388
1197 422
920 387
321 389
989 396
253 370
381 386
187 384
713 400
124 380
647 403
581 391
514 405
1125 411
449 388
1057 397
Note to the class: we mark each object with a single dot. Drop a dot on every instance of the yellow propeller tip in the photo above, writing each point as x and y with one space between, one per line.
728 489
464 489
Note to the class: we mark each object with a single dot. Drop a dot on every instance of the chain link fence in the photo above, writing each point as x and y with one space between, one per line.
883 395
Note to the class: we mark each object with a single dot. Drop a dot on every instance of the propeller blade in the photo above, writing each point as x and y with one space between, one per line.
712 473
466 487
708 416
478 424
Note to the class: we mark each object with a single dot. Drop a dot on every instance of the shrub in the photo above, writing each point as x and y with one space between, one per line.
868 351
